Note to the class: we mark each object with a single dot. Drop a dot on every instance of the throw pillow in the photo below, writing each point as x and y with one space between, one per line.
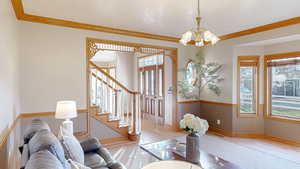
45 140
72 147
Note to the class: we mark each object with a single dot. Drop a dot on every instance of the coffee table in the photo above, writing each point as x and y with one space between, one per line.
174 150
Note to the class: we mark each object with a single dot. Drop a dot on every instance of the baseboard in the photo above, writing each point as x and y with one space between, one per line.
254 136
113 140
220 132
281 140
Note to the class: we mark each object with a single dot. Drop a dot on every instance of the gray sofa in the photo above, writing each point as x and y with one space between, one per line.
42 150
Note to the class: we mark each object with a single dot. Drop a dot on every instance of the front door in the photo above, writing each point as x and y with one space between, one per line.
151 82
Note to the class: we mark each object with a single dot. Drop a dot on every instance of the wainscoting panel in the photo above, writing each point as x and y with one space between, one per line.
9 152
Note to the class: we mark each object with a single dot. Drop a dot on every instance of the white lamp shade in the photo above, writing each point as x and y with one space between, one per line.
66 110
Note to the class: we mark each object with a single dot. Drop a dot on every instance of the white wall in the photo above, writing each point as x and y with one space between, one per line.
53 65
167 84
9 65
125 69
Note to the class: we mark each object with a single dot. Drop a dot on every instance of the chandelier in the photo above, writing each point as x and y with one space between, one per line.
200 35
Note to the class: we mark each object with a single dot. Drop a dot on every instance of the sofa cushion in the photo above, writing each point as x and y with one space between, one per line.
43 160
45 140
35 126
72 149
76 165
90 145
25 156
105 154
116 165
93 160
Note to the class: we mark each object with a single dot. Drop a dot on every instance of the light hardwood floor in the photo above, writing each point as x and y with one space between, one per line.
247 153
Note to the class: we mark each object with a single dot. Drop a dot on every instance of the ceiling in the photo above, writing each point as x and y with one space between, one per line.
167 17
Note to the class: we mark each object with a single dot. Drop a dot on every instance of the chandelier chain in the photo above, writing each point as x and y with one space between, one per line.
198 8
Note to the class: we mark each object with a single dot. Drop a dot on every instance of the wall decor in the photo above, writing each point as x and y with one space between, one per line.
198 75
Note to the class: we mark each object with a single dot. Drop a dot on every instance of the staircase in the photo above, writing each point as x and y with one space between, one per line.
113 104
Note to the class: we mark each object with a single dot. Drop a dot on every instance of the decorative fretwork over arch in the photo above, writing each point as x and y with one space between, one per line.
95 45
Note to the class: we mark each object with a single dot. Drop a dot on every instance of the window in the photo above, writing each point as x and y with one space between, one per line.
248 67
283 85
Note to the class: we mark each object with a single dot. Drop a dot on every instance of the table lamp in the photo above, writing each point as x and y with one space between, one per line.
66 110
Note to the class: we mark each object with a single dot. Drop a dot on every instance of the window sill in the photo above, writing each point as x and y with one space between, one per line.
283 119
247 115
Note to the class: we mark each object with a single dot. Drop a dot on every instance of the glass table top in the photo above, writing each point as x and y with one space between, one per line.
175 150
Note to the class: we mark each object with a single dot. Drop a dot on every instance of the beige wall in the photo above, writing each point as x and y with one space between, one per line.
9 89
277 128
53 64
226 52
9 65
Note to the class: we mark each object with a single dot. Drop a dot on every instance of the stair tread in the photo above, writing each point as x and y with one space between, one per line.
102 114
123 125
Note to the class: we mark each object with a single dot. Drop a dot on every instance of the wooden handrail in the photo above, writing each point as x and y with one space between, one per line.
112 79
93 74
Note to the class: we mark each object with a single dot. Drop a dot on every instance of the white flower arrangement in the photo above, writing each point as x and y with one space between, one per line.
194 124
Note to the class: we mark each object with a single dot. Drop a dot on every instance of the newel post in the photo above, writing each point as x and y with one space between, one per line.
136 118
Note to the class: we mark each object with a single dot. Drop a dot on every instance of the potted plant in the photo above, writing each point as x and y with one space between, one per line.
196 128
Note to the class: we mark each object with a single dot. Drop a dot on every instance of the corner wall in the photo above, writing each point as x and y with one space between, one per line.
226 52
9 84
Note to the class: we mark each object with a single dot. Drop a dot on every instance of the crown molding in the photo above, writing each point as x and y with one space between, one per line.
21 15
263 28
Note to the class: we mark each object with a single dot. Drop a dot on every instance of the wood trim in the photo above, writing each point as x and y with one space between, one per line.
253 136
263 28
130 44
282 119
151 54
152 67
7 131
282 55
93 74
113 140
39 114
98 28
220 132
18 8
256 60
282 140
206 101
267 93
21 15
173 56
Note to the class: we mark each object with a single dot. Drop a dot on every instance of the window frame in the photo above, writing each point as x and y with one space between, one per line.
267 88
254 61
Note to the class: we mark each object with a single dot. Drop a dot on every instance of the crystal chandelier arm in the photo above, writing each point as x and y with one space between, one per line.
201 35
